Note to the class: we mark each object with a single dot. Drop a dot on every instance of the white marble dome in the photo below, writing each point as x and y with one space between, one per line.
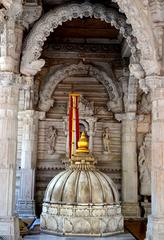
81 201
81 187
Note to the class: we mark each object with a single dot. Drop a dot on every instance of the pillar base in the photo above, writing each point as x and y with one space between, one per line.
131 210
26 208
155 228
9 228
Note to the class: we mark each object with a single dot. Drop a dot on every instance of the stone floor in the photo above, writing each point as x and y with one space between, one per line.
50 237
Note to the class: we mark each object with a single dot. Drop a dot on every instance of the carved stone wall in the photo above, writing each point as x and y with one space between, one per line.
142 24
95 118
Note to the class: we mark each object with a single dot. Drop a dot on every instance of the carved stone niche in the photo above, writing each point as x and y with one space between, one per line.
87 121
87 125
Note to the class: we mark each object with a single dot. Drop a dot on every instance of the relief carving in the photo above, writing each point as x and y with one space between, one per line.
31 63
51 139
115 105
144 162
31 13
2 18
86 108
143 32
107 140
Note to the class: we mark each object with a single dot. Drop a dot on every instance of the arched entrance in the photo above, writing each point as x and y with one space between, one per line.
148 53
30 64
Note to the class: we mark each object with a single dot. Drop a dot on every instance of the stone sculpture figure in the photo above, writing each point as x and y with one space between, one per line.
107 140
144 162
51 139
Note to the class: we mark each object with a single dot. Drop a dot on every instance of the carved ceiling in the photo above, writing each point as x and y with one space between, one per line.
85 28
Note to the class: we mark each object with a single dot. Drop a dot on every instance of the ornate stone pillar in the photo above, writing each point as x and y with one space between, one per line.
130 204
26 203
10 46
9 91
129 150
91 121
155 230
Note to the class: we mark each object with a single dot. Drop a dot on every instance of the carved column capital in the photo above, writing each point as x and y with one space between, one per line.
42 115
31 13
130 116
125 116
29 114
27 81
10 79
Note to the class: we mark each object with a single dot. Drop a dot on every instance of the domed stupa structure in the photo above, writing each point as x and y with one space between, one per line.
81 200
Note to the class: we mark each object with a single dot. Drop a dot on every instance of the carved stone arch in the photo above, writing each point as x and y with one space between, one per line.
34 42
115 97
85 123
138 16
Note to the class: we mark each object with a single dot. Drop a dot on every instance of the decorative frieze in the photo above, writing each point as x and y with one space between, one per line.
84 219
11 39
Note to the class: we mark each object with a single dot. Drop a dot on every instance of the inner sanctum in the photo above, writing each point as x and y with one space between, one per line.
109 53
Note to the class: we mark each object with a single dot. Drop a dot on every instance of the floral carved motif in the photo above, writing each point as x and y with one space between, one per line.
31 63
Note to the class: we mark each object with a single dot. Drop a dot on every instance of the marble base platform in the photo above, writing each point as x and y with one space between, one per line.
81 220
50 237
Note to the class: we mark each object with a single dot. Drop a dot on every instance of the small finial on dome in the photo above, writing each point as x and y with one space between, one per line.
83 144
